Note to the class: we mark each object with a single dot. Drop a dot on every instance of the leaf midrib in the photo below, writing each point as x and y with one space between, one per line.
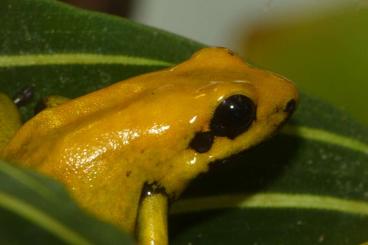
325 136
8 61
271 201
42 219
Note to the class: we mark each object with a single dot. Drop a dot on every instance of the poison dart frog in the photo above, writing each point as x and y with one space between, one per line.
125 150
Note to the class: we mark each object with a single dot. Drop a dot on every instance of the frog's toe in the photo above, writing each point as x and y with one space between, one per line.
24 96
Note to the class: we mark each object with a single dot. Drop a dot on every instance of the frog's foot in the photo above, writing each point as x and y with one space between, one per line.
9 120
23 96
50 102
152 216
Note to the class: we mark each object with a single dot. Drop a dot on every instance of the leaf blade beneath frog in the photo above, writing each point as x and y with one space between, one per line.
45 214
297 162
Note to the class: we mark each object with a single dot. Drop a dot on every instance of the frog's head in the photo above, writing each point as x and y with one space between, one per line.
229 107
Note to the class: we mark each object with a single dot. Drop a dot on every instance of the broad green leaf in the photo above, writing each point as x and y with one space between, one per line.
60 49
325 54
35 209
307 185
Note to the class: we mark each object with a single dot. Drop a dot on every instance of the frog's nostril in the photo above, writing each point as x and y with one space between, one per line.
290 106
202 142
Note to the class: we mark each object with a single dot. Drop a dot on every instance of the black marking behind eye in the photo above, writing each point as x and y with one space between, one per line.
290 106
233 116
202 142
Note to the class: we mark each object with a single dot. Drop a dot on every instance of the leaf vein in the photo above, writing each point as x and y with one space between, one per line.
271 201
326 137
40 218
27 180
7 61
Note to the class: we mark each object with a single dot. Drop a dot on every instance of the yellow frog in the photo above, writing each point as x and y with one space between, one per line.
124 150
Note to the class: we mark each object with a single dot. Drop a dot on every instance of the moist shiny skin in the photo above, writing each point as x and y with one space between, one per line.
106 145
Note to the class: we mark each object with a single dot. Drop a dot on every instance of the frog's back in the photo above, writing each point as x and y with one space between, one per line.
89 143
77 151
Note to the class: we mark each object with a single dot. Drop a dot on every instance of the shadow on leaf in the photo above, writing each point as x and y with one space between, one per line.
252 171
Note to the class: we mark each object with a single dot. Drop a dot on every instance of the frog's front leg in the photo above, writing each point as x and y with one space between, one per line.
152 216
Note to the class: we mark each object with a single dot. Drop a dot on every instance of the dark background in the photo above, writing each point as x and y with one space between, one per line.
115 7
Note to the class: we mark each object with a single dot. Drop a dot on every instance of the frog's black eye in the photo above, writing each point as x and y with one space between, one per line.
233 116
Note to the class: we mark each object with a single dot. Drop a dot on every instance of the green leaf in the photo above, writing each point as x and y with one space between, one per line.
320 53
307 185
35 208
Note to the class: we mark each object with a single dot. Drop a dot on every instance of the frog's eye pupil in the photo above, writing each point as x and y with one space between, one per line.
233 116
